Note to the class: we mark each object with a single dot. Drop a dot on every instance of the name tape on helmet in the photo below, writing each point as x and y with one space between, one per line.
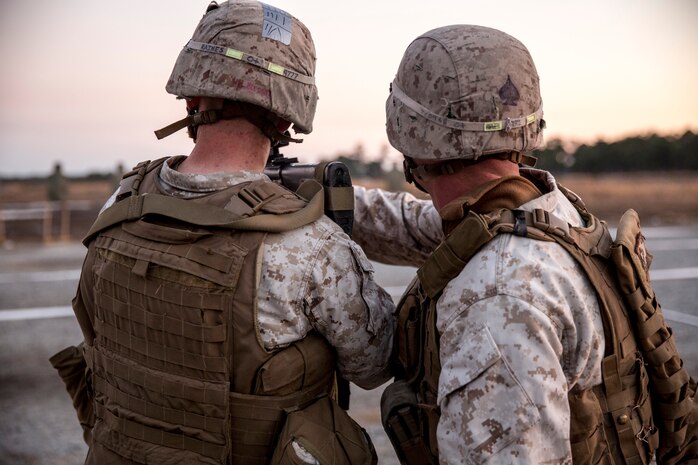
506 124
253 60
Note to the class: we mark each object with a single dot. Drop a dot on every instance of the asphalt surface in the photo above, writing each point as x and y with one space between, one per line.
37 283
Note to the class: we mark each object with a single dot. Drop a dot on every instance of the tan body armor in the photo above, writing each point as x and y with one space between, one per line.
612 423
173 312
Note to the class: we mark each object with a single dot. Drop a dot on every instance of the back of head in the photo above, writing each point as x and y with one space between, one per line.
247 51
463 92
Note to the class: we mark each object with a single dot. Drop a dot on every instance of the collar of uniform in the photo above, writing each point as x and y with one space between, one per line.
191 184
506 192
553 200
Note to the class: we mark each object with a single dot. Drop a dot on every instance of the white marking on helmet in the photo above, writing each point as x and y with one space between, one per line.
277 24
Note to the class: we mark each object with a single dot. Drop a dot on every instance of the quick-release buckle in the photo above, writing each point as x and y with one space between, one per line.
256 196
131 182
541 219
546 222
205 117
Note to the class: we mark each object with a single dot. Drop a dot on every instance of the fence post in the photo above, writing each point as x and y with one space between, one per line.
48 223
2 227
65 221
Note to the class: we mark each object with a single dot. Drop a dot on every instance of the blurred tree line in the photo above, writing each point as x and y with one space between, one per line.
638 153
359 166
632 154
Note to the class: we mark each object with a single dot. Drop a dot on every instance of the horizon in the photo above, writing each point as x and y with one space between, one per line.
568 146
86 87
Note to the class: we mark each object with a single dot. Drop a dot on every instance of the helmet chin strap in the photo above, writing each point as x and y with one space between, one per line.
408 168
415 173
272 126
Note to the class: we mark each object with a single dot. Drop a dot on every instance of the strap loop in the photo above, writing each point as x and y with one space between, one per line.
520 228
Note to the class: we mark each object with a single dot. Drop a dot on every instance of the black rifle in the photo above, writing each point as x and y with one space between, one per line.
334 177
339 204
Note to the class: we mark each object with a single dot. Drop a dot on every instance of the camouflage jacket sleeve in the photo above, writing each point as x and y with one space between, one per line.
520 328
317 278
395 227
355 315
502 402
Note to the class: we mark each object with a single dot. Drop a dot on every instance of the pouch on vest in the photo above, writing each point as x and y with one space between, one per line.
402 422
675 409
72 368
408 342
328 433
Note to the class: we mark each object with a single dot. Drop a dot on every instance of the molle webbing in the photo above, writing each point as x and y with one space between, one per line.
624 395
156 402
185 381
162 386
162 292
673 389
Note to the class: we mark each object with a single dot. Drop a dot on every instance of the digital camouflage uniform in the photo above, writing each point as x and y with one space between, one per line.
519 328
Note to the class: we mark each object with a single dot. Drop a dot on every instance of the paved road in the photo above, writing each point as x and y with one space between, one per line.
37 283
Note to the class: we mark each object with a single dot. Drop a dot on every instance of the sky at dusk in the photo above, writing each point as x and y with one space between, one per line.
82 82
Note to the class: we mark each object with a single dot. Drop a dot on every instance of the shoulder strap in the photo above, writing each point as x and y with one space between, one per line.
136 206
451 256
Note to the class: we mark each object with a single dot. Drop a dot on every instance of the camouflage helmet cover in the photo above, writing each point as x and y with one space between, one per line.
462 92
251 52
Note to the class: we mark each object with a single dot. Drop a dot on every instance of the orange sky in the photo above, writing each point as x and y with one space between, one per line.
83 81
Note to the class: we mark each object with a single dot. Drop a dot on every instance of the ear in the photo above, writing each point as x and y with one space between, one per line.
282 125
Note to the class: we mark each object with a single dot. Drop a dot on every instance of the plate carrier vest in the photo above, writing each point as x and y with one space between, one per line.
645 404
174 292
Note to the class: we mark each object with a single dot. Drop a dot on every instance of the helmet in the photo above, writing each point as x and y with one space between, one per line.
247 51
463 92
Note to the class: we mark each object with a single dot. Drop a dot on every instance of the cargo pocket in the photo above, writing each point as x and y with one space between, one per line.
495 409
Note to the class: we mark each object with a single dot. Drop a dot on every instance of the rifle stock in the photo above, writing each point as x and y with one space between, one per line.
334 177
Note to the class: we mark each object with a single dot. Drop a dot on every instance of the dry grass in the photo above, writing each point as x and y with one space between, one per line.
658 198
36 191
661 198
